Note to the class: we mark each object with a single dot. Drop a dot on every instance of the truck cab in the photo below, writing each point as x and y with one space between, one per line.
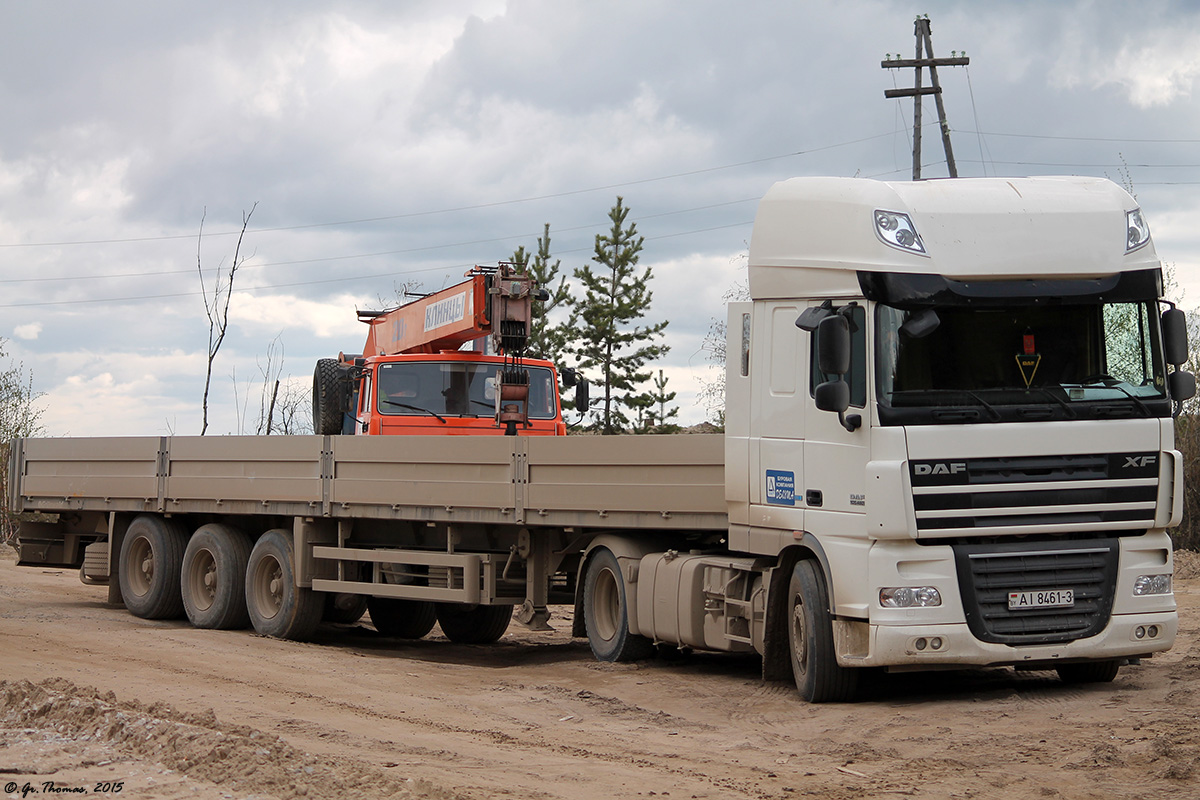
956 397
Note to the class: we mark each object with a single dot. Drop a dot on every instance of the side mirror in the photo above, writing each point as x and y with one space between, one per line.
570 377
833 345
832 396
1182 385
921 324
581 397
1175 343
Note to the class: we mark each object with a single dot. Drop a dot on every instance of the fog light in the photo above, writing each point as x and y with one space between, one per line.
936 643
1140 632
909 597
1151 584
1153 631
921 644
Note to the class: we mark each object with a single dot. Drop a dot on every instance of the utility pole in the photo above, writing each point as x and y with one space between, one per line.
925 43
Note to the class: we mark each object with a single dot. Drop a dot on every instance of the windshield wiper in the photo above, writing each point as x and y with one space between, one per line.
1043 390
992 412
1115 384
414 408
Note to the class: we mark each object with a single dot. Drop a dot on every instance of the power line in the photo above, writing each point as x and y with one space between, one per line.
455 209
340 279
406 251
1083 138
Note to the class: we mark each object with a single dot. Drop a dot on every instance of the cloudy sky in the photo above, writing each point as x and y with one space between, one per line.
392 142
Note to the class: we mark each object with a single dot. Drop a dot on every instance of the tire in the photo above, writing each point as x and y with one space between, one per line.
213 581
328 397
344 609
278 608
605 612
810 640
1089 672
473 624
150 564
403 619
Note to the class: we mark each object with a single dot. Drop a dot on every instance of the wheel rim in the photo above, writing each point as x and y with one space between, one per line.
202 580
268 587
799 636
606 605
141 566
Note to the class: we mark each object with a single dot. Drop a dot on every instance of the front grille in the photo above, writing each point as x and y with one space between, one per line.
1036 494
987 573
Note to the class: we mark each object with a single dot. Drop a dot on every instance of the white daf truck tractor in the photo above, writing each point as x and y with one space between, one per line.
949 443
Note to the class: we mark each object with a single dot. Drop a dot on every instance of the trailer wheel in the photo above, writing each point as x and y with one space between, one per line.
214 578
277 606
342 608
605 612
328 397
1089 672
810 636
473 624
150 565
403 619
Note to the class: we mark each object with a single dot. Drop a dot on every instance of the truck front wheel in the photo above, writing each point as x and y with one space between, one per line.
150 566
606 612
404 619
214 578
1089 672
277 606
473 624
810 639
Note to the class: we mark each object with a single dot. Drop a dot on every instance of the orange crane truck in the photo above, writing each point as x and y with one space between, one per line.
412 378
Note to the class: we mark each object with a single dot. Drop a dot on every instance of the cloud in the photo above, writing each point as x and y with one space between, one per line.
29 331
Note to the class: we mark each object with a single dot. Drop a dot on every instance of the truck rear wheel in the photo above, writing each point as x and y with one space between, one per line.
329 397
342 608
605 612
403 619
810 639
277 606
150 566
214 578
1089 672
473 624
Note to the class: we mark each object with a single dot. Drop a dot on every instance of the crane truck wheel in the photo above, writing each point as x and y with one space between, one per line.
1089 672
403 619
214 578
150 565
277 606
473 624
329 397
606 612
810 639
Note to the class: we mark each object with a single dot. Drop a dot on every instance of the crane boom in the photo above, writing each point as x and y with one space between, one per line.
495 302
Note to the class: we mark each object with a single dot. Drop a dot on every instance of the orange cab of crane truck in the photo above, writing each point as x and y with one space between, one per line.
450 393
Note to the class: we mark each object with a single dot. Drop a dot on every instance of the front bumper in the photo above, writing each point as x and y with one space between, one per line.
901 645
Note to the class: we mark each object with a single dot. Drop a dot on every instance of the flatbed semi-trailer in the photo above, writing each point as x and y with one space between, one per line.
949 442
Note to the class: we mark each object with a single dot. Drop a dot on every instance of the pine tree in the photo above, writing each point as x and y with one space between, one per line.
605 320
547 339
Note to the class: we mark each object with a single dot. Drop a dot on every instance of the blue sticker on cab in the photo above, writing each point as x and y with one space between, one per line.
781 487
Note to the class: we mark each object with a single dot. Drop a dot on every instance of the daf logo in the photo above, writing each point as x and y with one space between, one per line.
1138 461
952 468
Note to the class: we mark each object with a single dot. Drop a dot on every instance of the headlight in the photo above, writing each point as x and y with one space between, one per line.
909 597
896 230
1151 584
1137 231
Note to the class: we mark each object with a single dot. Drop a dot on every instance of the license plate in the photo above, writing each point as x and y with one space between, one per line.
1047 598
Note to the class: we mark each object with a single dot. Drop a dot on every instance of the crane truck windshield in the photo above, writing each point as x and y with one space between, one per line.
452 389
1019 362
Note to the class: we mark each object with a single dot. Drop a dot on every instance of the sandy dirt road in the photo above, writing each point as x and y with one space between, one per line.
98 702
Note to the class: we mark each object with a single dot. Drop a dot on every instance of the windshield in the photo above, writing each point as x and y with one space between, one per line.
455 389
1019 362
